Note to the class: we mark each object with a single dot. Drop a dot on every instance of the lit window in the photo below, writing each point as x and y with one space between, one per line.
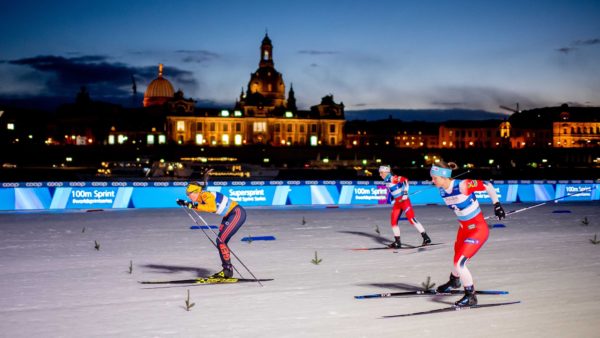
121 139
314 141
199 139
180 125
224 113
260 127
225 139
289 114
150 139
237 139
162 139
10 126
237 113
111 139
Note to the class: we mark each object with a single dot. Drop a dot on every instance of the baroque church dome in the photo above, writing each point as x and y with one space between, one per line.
159 91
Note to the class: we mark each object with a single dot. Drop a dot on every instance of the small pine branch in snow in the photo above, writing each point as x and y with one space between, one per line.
595 240
377 230
316 260
130 267
585 221
188 305
97 245
427 285
303 220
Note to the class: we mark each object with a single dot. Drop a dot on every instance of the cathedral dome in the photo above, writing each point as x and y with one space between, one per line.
159 91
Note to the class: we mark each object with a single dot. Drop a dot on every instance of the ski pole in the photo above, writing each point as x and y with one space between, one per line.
540 204
420 191
233 253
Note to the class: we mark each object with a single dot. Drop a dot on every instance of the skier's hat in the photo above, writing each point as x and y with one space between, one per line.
385 169
193 187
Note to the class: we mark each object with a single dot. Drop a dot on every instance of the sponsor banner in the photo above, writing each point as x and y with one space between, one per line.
147 194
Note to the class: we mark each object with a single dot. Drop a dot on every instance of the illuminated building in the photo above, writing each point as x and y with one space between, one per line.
261 115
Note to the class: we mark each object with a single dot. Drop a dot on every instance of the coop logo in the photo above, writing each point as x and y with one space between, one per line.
140 184
99 184
329 182
177 184
311 182
346 182
220 183
76 184
161 184
238 183
257 183
119 184
363 182
33 184
294 182
10 185
54 184
276 182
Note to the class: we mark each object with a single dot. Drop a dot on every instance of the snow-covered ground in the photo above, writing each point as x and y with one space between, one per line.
54 283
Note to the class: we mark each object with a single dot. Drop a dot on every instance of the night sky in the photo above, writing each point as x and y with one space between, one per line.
375 54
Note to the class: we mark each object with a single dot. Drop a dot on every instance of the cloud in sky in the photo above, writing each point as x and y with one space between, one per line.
578 43
63 76
198 56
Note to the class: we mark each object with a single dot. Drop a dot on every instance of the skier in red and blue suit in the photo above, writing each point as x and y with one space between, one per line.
398 189
459 195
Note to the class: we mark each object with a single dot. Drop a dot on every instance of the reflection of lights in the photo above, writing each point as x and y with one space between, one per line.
354 142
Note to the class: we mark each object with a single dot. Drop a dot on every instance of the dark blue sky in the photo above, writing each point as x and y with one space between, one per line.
368 54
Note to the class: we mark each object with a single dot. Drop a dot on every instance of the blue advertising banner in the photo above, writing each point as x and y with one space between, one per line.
116 195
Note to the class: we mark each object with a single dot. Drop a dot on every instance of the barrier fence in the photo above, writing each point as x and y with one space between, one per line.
151 194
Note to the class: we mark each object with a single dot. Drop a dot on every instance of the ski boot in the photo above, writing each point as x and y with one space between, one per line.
426 239
395 244
453 283
469 299
225 273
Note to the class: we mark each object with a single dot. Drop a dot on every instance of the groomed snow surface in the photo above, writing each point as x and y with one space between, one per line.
54 283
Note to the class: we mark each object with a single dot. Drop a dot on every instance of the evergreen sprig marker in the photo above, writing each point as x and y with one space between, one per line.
316 260
427 285
188 305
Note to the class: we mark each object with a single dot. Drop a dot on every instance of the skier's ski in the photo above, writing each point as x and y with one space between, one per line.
429 293
451 309
403 247
206 280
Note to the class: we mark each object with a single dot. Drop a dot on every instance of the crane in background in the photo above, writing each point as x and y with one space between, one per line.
512 110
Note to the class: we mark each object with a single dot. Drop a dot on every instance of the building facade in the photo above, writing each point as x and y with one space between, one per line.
261 115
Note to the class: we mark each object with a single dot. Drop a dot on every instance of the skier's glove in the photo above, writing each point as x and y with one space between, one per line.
404 197
184 203
499 211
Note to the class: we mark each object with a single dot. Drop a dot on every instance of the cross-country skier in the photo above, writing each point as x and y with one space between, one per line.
398 188
473 230
233 214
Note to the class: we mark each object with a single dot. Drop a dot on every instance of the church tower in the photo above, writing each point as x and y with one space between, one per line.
266 89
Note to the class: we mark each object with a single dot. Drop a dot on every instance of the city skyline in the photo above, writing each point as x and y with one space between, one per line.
380 55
